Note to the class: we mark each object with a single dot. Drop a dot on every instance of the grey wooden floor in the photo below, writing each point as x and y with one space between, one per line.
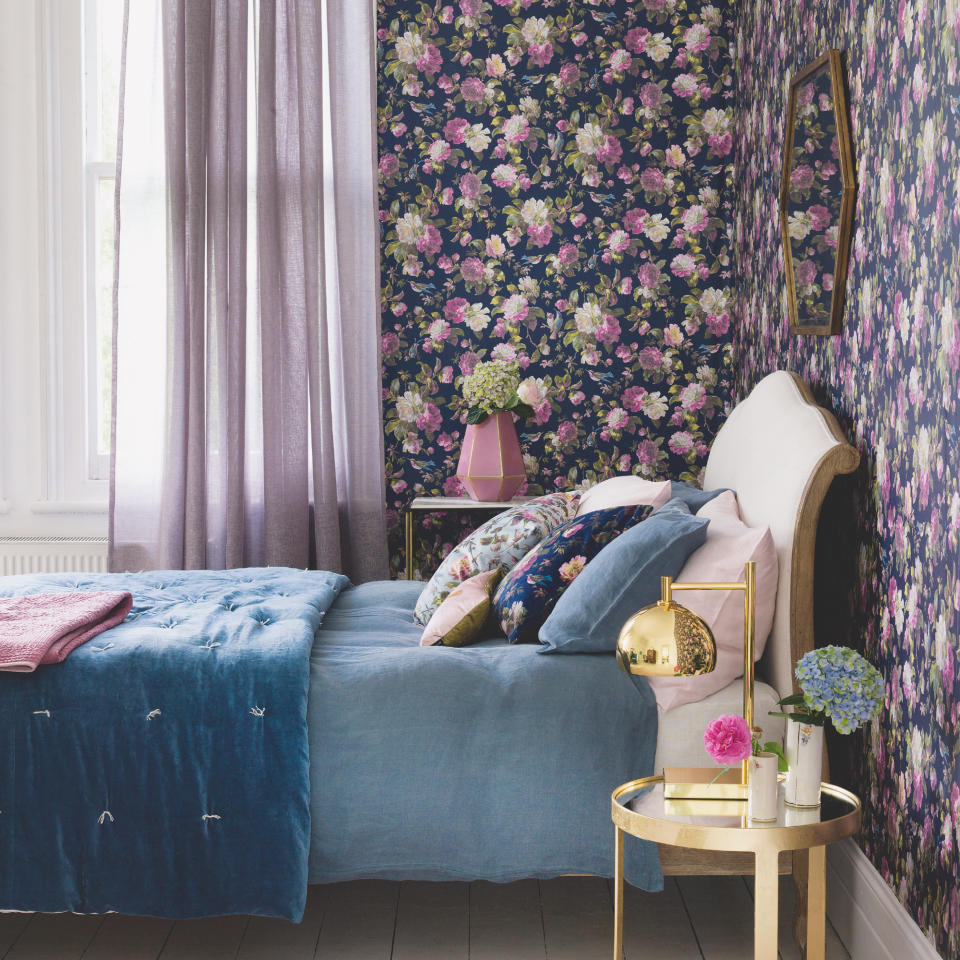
570 918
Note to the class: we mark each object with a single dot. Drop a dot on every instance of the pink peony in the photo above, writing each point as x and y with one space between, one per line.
727 739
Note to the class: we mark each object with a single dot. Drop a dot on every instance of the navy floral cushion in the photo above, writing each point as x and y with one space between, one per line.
531 589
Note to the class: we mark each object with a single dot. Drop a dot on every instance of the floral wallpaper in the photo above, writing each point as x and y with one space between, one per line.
892 377
554 191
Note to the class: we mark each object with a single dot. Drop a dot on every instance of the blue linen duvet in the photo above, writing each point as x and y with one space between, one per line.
484 762
165 768
162 768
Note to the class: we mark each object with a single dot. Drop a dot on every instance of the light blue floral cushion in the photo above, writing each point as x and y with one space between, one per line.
499 544
531 589
621 579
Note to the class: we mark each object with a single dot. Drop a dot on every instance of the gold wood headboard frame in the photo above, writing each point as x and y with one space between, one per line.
841 459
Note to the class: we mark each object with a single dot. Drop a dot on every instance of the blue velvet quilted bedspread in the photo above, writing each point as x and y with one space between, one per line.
163 768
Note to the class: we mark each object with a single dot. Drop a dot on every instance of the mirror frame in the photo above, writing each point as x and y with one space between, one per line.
848 178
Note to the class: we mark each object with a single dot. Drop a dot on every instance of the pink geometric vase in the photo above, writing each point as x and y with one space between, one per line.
491 465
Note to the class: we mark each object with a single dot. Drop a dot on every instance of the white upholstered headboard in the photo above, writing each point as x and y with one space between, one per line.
780 452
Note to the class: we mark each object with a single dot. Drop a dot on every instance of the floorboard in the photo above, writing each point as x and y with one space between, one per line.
55 936
569 918
505 921
270 939
12 926
358 920
577 918
656 925
721 912
213 938
129 938
433 922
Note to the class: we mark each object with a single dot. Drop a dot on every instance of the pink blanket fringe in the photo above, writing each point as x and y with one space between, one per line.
46 627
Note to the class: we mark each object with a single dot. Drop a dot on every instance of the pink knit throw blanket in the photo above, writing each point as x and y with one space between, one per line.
46 627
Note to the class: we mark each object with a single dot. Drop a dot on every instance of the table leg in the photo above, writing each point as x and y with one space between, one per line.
618 896
816 903
408 538
766 899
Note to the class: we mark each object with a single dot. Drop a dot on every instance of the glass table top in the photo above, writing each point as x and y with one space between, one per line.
648 801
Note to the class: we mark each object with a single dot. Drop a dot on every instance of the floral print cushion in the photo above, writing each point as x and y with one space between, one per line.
499 544
531 589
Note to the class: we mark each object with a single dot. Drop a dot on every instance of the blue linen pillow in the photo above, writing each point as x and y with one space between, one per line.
529 591
692 496
622 578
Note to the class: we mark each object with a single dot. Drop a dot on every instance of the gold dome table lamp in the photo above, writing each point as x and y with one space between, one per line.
668 640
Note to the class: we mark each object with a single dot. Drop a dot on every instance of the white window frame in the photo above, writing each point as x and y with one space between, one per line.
74 474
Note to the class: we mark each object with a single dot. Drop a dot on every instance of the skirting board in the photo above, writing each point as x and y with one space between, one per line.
870 920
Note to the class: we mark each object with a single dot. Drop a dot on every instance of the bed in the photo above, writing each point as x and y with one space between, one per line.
366 755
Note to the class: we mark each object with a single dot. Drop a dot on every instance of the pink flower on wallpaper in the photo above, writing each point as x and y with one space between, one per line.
609 330
636 39
802 177
567 431
647 453
652 180
633 219
473 89
568 254
650 358
697 38
390 344
454 310
569 74
470 8
681 442
806 271
472 269
693 396
540 53
430 61
539 236
649 275
455 130
720 144
695 218
632 398
611 151
470 186
467 362
651 95
819 217
718 323
389 165
682 265
431 241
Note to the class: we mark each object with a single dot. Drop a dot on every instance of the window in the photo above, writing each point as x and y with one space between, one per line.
81 45
103 34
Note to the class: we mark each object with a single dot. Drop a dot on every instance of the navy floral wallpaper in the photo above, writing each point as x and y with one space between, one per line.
892 376
554 191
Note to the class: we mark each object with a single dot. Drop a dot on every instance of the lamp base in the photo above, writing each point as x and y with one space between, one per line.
694 783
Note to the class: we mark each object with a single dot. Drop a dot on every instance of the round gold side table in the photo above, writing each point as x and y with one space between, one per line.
640 809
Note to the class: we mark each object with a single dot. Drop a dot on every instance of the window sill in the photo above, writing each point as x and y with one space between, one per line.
94 507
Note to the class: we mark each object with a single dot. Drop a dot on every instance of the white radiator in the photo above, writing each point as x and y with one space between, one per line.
52 555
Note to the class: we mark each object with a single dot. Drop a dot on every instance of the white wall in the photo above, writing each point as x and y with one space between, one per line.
27 504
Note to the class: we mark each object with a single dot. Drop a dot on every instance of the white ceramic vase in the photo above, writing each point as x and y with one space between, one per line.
804 750
762 794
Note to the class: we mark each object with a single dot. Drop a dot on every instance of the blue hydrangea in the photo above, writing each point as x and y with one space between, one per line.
837 681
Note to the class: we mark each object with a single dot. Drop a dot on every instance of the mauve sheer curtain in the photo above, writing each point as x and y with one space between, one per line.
247 418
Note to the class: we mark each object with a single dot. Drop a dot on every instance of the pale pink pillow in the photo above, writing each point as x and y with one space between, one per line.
626 491
460 618
729 545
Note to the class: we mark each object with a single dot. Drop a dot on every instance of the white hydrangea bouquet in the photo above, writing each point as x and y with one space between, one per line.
494 386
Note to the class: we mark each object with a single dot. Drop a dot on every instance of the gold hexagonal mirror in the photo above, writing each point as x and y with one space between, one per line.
817 194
